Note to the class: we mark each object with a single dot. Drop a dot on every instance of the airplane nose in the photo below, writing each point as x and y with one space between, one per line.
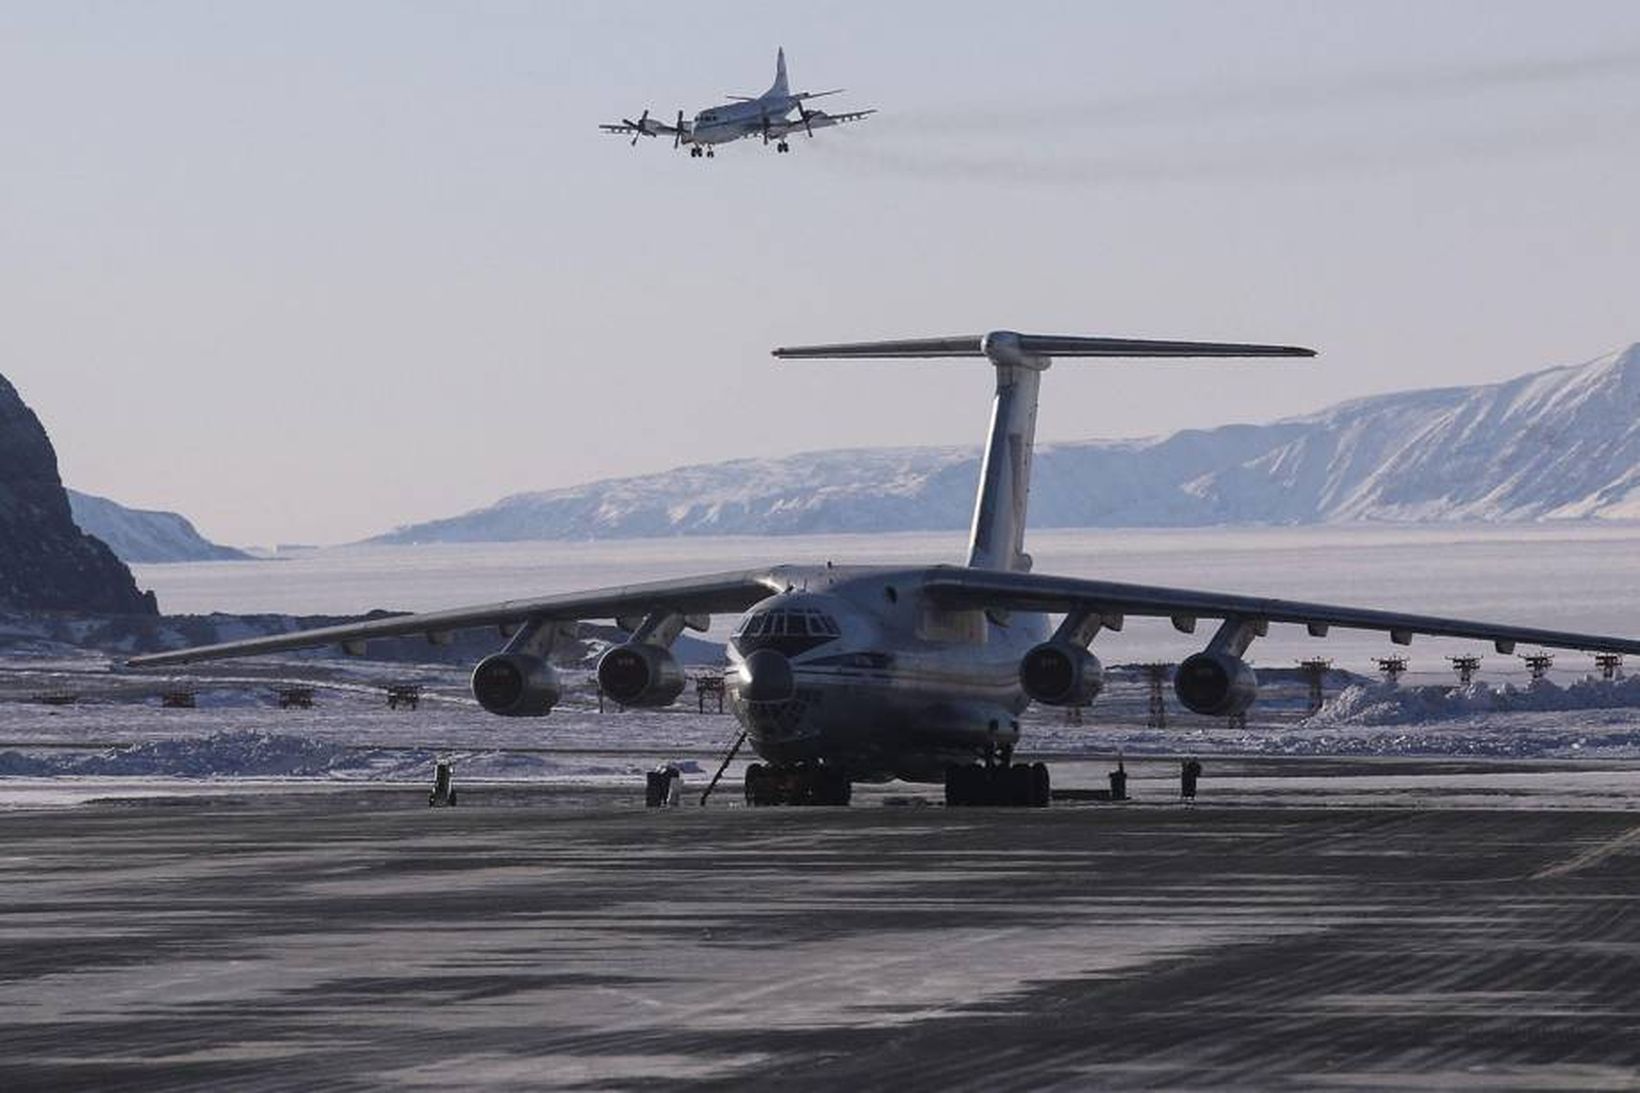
767 677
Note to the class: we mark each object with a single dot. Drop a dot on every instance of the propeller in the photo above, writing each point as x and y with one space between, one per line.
805 113
640 128
677 137
765 127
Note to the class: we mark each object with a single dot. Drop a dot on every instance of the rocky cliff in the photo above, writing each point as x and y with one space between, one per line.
46 562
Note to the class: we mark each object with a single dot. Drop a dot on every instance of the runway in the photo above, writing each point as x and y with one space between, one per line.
565 937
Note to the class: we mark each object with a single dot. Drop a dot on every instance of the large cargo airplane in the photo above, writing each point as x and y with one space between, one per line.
768 115
856 673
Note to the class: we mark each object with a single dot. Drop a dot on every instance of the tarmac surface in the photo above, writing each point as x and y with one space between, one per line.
564 937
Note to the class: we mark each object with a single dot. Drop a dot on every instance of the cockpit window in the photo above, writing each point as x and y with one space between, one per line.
789 630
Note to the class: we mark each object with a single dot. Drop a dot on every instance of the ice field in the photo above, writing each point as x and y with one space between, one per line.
1584 576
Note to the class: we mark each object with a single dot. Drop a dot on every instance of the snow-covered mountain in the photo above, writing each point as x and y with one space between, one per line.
1558 444
142 535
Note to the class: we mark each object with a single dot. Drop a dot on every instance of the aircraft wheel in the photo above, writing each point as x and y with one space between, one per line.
1041 785
831 787
1014 786
755 784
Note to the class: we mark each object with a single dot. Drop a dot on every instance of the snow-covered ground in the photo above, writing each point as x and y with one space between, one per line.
118 739
1583 577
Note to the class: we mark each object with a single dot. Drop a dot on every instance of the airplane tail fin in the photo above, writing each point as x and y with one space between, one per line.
998 537
780 89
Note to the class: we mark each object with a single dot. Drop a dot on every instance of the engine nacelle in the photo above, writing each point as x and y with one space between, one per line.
637 674
1056 673
516 685
1216 684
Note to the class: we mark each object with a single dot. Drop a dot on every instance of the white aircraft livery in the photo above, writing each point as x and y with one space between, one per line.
768 115
841 674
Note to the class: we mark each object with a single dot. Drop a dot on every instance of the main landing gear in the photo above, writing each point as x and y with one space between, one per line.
782 147
1004 784
696 151
810 784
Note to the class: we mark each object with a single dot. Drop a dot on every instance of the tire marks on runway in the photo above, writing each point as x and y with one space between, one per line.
1594 855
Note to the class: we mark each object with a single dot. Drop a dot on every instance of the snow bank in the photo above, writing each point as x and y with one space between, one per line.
251 754
275 755
1382 704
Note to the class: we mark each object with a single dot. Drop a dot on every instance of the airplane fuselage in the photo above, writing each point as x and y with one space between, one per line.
732 121
882 683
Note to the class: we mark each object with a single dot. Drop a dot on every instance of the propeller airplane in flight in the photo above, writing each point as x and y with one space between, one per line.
769 115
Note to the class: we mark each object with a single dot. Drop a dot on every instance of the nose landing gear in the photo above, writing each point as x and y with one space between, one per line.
810 784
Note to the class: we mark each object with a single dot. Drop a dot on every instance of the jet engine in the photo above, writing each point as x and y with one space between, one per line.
638 674
1057 673
1216 684
516 685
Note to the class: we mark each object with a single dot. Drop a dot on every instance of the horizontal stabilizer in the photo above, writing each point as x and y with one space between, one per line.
910 347
1043 345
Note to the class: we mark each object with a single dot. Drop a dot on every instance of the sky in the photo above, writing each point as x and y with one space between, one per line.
307 271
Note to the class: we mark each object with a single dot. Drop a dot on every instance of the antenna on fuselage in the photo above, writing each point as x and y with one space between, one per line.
997 540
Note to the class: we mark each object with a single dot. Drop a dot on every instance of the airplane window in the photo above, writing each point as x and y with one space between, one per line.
791 631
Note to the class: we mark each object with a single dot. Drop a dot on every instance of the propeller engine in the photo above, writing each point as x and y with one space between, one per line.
516 685
1057 673
640 128
1216 684
639 674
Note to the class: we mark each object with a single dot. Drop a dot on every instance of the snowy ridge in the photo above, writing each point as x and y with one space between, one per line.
1558 444
143 535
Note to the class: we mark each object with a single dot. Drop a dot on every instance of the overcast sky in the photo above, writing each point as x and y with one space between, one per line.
304 271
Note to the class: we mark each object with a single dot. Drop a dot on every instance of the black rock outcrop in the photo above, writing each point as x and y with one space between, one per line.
46 562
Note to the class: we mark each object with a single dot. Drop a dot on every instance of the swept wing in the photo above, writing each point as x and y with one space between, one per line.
688 596
1041 592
